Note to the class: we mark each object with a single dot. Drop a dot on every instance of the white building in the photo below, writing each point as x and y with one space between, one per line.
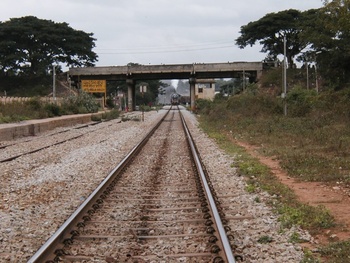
205 89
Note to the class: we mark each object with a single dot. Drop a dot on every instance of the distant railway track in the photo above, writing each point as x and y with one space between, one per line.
156 205
46 145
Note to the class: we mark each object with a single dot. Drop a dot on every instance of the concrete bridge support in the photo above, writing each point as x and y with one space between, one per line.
131 94
192 82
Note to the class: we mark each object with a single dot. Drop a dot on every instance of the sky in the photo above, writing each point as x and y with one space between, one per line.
159 31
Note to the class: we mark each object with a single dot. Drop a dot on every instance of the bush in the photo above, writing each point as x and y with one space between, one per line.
203 106
300 102
83 103
35 104
52 110
250 104
113 114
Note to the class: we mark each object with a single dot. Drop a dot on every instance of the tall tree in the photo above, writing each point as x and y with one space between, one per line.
328 32
270 31
30 46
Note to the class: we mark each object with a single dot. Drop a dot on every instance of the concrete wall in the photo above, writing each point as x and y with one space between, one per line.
10 131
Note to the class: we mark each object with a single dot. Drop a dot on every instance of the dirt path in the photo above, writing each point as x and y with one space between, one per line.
335 198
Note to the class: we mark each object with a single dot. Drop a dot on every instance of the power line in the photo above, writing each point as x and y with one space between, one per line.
168 49
164 51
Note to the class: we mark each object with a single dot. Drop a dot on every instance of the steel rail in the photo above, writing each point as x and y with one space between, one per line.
222 233
46 252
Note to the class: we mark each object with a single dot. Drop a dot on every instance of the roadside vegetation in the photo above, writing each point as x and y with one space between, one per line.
35 108
312 143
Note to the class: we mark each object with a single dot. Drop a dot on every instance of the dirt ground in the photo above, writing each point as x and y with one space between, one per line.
336 198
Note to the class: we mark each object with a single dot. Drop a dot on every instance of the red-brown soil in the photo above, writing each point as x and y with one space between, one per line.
334 197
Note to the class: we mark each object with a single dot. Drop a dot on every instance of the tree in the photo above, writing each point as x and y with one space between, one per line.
328 32
270 32
29 46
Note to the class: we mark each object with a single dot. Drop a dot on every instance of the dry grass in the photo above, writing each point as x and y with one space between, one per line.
312 143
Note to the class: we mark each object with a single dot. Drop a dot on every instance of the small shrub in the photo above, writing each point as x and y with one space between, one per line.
305 216
309 257
35 104
300 102
113 114
203 106
265 240
250 188
82 103
52 109
338 251
295 238
96 117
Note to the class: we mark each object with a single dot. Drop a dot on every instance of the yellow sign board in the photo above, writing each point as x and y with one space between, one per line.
94 86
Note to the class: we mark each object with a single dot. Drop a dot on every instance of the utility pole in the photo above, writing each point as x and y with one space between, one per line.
54 82
307 75
285 75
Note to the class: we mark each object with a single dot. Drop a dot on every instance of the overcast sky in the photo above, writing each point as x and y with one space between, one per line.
159 31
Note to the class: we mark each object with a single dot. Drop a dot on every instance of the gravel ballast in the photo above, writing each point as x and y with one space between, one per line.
39 191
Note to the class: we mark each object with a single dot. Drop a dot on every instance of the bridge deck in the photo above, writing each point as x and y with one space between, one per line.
176 71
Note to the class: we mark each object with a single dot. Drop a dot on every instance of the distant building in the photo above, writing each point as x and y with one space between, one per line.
205 89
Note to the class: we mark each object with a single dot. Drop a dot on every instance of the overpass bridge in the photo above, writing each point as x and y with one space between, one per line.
192 72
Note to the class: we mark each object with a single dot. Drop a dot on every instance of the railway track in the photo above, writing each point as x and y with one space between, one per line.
22 148
151 208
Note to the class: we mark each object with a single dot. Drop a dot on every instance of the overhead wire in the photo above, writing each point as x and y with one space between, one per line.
167 49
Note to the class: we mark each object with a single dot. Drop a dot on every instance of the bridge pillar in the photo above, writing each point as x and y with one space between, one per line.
192 82
131 94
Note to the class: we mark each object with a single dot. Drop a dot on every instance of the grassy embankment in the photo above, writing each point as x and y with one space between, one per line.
36 108
312 143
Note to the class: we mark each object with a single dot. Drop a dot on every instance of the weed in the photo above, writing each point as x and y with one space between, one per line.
309 257
250 188
112 114
312 143
35 108
337 252
96 117
295 238
265 240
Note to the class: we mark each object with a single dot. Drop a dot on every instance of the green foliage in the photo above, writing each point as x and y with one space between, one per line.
32 109
300 102
265 240
38 109
249 103
203 105
324 31
337 252
30 46
306 216
295 238
313 147
53 110
309 257
252 168
82 103
270 31
251 188
327 30
35 104
112 114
